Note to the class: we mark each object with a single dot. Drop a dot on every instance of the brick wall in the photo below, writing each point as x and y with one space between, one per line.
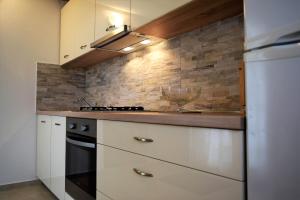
205 62
59 89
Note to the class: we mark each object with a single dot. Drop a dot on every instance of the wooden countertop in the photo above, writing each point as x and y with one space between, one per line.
233 121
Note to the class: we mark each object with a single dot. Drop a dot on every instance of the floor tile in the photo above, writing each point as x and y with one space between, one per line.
26 191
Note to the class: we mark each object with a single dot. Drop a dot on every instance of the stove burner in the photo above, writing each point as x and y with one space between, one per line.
112 108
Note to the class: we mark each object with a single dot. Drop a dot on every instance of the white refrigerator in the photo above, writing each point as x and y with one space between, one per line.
273 99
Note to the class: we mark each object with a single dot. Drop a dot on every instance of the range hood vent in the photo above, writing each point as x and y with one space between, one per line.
124 40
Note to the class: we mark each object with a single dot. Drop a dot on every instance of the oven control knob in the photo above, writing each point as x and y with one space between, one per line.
72 126
84 127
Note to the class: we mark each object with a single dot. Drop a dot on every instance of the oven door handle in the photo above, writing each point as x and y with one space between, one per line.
81 144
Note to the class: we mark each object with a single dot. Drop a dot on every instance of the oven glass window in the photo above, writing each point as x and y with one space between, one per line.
81 167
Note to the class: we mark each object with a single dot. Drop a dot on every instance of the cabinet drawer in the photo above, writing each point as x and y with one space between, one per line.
212 150
118 180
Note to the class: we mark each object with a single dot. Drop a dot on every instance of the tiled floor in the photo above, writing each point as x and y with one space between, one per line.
26 191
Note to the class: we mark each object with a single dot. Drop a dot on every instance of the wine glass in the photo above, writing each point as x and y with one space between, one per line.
180 95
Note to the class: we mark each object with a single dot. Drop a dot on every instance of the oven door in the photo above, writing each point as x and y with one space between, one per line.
81 166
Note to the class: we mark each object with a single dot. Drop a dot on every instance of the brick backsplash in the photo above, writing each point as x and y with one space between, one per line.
206 61
59 89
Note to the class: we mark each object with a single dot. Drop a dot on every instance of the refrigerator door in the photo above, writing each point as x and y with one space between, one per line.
273 121
268 20
274 53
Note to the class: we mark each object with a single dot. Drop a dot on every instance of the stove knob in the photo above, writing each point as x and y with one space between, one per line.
84 128
72 126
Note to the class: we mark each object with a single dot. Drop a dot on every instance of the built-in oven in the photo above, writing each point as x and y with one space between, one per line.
81 150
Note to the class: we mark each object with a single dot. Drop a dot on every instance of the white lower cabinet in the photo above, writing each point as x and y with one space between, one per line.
51 139
128 176
216 151
44 149
58 148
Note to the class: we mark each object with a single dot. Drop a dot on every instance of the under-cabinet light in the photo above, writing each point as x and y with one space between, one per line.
145 42
128 49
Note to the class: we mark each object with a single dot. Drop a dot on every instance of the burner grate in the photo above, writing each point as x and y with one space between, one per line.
112 108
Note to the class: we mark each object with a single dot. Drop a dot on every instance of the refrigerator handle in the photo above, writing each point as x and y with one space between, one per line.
274 53
295 36
285 34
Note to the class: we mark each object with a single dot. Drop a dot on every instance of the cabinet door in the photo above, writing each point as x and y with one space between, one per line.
43 149
84 23
58 148
111 13
77 29
67 32
144 11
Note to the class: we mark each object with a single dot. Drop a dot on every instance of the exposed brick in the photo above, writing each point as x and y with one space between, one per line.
205 60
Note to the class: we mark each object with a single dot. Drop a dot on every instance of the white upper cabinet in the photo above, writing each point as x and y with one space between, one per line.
67 45
77 29
144 11
111 14
84 25
85 21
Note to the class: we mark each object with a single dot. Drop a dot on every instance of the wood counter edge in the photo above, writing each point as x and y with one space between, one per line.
219 121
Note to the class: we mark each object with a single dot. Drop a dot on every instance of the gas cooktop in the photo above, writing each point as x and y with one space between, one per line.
112 108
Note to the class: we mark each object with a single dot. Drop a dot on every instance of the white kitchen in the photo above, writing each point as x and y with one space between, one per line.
149 100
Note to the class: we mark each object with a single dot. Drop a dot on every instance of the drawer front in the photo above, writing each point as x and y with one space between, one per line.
212 150
117 179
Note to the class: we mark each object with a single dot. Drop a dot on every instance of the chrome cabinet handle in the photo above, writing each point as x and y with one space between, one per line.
141 173
44 122
110 28
57 124
83 46
144 140
66 56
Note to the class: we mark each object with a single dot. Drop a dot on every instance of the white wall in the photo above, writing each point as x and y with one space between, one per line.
29 33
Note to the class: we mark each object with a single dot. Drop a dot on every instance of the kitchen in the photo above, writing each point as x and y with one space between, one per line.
132 99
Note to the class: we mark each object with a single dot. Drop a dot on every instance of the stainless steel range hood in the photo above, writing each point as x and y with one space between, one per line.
124 40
